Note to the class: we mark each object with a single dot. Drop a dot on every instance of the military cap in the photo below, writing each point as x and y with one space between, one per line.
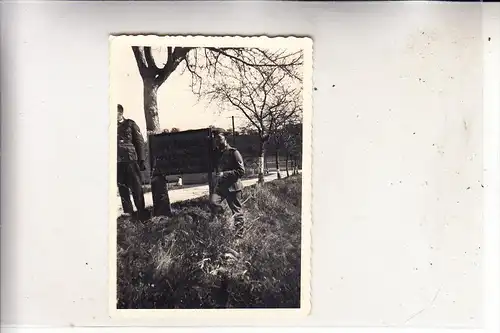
219 130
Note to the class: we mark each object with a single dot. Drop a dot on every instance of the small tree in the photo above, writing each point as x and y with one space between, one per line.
174 130
282 134
291 142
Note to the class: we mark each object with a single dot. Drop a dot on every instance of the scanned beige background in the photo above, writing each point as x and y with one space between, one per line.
369 236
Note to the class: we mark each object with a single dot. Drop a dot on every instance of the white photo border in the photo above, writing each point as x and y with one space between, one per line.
303 43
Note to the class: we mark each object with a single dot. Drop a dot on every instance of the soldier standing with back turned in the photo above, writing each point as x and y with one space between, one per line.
130 164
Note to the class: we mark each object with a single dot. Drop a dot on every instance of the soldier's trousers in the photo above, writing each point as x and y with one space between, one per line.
233 201
129 179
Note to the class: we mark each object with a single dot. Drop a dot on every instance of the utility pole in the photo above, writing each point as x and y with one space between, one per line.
234 136
210 162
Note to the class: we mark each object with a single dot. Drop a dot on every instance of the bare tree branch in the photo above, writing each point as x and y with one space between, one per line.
169 52
141 60
256 86
194 75
242 109
150 61
244 60
175 57
253 78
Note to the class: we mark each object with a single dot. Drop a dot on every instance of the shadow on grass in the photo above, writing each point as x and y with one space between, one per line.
190 261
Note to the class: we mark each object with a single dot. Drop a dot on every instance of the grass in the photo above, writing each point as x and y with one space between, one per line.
189 261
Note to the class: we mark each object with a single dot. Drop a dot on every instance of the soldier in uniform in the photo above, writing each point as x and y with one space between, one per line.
229 171
130 163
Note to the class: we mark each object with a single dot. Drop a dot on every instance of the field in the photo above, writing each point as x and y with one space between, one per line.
189 261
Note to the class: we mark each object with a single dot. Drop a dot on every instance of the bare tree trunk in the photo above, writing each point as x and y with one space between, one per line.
153 77
151 105
159 184
262 148
277 155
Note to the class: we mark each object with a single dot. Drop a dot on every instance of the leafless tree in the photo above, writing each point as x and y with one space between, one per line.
291 142
199 61
268 97
153 76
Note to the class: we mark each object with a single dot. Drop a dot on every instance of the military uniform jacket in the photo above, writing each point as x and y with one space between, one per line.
230 163
130 142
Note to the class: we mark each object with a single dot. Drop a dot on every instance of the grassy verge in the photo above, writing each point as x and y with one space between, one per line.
189 261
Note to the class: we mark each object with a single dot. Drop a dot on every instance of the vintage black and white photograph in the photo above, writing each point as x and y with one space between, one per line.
210 194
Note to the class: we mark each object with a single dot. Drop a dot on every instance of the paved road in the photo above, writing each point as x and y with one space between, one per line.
183 194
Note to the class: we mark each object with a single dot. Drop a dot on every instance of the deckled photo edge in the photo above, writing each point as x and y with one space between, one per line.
220 41
307 157
306 44
112 202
